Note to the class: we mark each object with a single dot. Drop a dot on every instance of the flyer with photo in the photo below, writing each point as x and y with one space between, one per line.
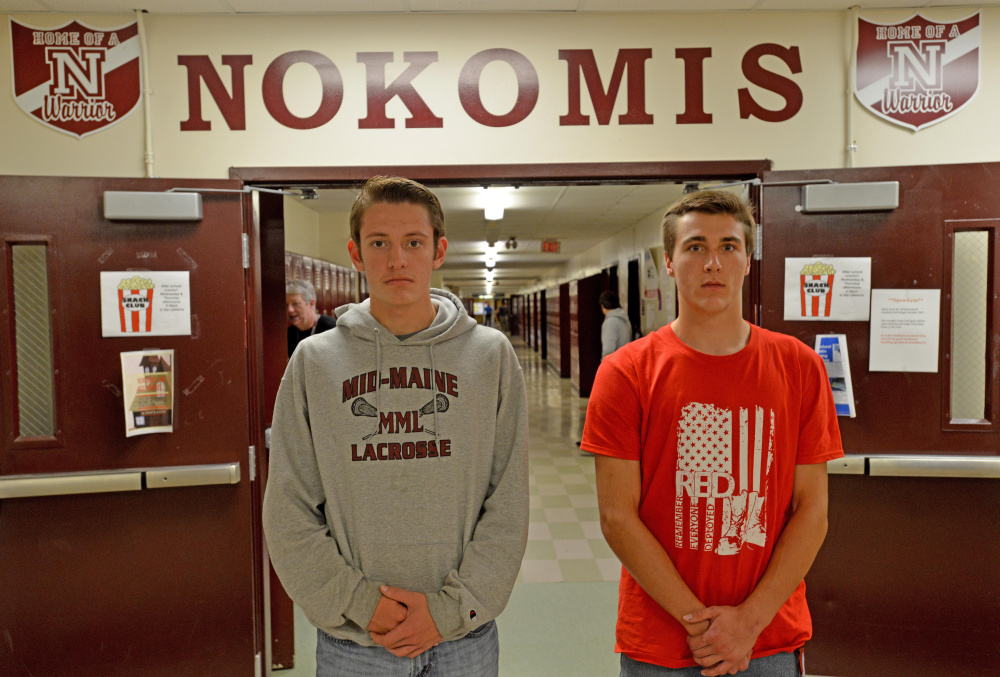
833 349
147 383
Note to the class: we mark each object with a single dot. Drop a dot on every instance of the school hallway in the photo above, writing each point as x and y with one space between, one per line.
561 616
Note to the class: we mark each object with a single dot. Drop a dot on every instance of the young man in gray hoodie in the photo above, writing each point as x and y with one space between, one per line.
616 330
396 512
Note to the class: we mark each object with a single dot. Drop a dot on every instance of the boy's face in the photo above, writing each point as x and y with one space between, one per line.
709 262
397 254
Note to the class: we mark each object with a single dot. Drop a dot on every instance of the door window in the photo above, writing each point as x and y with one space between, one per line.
33 341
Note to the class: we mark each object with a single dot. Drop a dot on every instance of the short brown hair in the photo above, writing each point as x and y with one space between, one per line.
710 202
396 190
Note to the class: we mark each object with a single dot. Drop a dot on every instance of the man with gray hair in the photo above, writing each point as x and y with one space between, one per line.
303 320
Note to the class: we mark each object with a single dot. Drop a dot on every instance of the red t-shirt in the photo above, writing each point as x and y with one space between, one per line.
717 439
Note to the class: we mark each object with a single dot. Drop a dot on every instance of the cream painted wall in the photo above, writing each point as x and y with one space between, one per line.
334 232
814 138
301 229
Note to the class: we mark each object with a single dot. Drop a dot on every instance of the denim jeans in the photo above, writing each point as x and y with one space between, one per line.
475 655
777 665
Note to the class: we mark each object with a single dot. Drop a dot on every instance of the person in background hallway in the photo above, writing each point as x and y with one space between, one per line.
304 321
711 438
502 317
396 511
488 314
616 330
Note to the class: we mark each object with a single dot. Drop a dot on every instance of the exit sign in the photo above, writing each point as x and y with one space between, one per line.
551 246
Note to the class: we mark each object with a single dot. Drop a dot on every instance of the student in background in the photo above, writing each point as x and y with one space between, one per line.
616 330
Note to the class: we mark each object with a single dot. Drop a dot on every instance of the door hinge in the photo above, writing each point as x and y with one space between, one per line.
253 463
258 665
757 250
246 250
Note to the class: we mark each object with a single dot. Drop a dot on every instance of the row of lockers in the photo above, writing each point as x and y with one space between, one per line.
335 284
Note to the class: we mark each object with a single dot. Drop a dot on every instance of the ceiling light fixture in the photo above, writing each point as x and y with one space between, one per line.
494 202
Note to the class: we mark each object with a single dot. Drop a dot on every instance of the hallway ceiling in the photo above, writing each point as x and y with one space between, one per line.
577 216
417 6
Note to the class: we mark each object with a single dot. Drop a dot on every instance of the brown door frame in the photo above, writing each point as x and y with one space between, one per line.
265 226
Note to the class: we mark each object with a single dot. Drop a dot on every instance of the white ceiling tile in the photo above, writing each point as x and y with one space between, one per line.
130 6
318 6
493 5
668 5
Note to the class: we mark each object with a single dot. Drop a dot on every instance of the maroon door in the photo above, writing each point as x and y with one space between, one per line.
156 574
907 581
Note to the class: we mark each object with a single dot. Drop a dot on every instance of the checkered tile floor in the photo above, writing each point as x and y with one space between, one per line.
564 534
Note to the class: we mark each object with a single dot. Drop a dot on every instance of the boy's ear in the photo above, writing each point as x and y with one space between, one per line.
439 251
355 253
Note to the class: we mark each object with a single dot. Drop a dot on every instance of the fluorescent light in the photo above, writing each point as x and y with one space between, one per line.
489 276
494 201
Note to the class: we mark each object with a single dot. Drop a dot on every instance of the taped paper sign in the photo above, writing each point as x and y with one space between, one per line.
151 303
829 288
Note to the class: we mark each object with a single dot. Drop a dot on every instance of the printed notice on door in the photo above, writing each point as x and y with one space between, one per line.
833 349
149 303
827 288
147 381
905 330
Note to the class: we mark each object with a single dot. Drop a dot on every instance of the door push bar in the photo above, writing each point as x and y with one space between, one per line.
64 484
978 467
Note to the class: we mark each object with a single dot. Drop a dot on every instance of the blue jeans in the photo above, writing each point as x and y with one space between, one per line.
778 665
475 655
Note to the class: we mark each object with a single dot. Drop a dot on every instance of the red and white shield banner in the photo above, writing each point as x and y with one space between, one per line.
76 79
918 72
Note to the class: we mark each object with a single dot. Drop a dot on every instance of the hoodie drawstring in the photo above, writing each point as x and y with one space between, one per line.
378 387
434 396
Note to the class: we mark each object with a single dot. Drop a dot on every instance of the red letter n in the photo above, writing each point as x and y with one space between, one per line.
233 108
582 61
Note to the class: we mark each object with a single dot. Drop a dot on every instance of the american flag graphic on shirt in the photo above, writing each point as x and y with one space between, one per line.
721 478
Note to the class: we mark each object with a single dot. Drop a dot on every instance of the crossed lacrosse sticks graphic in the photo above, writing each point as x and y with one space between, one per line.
361 407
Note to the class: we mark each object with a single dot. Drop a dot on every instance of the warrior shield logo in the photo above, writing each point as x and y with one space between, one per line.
74 78
918 72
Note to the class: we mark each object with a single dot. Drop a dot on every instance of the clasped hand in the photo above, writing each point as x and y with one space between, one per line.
402 623
725 647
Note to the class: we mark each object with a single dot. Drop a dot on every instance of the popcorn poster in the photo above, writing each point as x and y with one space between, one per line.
147 303
827 289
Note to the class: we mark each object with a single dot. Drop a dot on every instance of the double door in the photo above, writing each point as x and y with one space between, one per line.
126 555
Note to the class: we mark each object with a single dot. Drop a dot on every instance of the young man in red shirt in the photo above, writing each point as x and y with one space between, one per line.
711 438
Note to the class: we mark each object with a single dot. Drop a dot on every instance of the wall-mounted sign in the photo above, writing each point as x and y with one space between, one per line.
833 349
550 246
74 78
918 72
905 330
829 288
148 384
151 303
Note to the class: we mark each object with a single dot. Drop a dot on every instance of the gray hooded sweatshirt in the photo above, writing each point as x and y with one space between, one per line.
403 463
616 331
